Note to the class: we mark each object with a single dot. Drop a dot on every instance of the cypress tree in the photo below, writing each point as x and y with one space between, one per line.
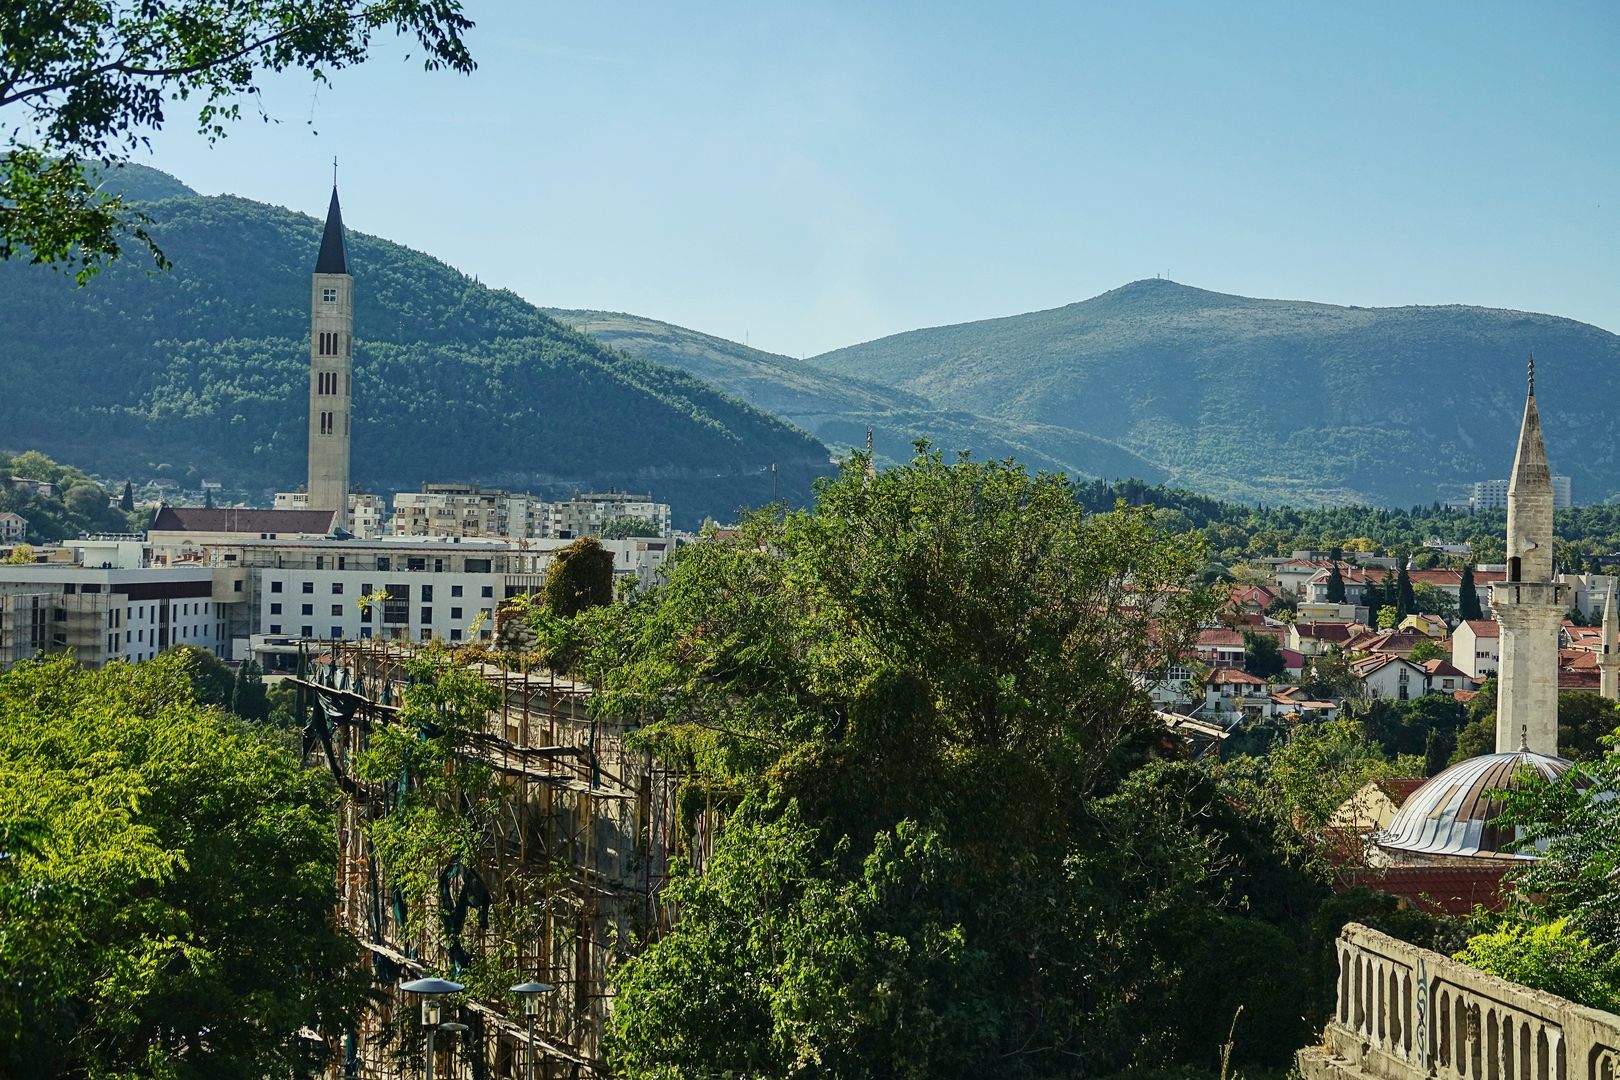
126 502
1468 596
1335 585
248 697
1405 602
1374 597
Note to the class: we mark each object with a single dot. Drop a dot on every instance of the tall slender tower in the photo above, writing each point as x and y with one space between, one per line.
1609 658
331 380
1530 605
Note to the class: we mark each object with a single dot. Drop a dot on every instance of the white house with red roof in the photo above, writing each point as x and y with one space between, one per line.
1476 647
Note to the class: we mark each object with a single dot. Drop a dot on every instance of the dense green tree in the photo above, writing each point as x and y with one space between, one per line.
88 82
212 680
1585 719
580 576
1403 727
167 898
1428 649
248 697
1262 655
1575 820
126 502
1551 957
913 710
619 528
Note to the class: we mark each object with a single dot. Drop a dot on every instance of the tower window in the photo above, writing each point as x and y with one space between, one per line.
329 295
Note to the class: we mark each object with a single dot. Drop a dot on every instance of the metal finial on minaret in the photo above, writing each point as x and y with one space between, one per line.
334 170
1531 373
1524 738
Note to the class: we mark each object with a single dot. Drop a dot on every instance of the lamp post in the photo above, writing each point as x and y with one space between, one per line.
530 993
431 990
453 1029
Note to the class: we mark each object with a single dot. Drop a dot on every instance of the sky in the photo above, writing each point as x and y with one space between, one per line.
804 176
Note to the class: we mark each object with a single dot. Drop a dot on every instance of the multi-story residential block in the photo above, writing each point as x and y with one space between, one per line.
13 528
466 510
590 514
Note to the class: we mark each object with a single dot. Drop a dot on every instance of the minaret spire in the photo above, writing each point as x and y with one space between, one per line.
1530 603
1609 657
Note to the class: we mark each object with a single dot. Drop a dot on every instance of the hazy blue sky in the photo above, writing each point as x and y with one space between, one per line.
816 174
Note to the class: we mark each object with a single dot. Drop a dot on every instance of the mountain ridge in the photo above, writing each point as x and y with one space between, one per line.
1325 393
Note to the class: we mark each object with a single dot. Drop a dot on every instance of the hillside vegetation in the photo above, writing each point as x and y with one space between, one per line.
202 372
1273 400
837 408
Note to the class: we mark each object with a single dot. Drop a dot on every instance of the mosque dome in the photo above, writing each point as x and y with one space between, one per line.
1456 814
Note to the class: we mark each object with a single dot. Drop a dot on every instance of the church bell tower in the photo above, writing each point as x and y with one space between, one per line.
331 382
1530 603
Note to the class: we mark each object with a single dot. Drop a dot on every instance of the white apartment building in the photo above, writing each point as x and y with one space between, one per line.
1492 494
445 587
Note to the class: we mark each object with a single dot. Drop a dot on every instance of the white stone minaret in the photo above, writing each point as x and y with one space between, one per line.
1530 605
1609 658
331 344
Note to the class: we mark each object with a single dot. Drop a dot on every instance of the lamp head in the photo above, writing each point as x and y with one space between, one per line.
530 993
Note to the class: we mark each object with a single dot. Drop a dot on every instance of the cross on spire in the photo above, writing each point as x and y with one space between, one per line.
1531 370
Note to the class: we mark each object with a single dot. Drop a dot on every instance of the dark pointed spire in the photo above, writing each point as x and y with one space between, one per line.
331 260
1530 471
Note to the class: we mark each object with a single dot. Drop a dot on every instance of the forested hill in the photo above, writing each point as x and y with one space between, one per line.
839 408
203 372
1276 400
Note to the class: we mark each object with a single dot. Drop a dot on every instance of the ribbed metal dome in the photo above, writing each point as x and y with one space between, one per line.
1455 814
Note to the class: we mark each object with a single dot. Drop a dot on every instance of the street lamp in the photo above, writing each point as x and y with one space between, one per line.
453 1029
431 990
530 993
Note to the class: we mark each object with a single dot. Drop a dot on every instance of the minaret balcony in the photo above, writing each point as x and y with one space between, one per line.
1507 594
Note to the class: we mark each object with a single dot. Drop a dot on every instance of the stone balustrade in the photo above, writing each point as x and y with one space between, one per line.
1405 1012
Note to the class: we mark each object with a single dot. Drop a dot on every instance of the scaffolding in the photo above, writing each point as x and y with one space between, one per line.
569 875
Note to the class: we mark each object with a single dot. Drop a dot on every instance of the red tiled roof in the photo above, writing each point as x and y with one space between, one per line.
1484 627
232 520
1219 636
1463 697
1454 890
1587 679
1442 668
1577 660
1325 631
1235 676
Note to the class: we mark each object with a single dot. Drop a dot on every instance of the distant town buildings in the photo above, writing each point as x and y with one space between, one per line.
13 528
